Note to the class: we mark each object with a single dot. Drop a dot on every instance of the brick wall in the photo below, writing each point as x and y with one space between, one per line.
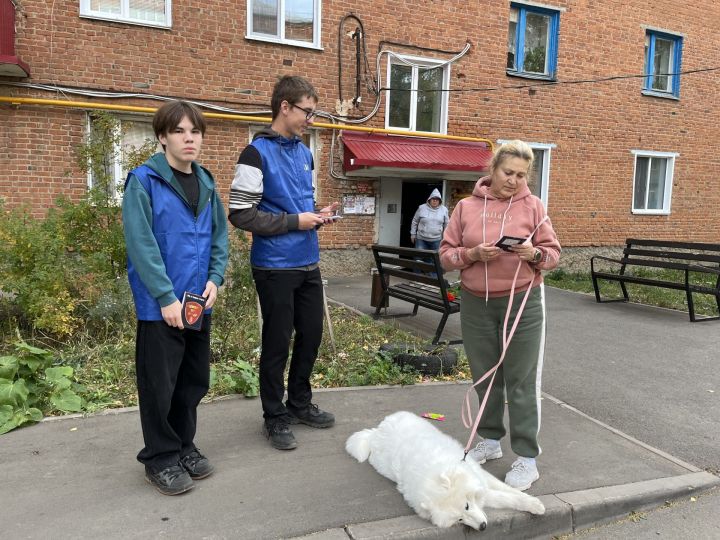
206 57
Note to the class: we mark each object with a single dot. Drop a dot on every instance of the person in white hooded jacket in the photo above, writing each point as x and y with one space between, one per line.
429 222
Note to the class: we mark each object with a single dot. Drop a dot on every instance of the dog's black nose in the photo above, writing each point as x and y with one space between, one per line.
483 526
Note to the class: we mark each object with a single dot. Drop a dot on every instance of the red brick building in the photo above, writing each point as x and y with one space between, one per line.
618 98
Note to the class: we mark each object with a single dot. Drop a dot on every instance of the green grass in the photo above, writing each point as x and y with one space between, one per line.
705 304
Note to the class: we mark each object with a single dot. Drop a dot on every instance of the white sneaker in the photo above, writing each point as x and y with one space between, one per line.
486 449
522 474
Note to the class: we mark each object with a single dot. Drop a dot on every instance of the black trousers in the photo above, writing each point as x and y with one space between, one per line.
289 300
173 375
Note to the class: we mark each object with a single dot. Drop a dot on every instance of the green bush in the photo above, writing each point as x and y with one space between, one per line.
67 270
29 384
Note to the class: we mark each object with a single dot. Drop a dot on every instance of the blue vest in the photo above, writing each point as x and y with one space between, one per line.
184 240
287 168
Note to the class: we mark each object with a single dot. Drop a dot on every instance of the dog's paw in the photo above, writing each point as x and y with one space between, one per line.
536 507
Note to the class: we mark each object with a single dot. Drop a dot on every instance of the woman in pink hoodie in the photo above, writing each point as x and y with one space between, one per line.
502 205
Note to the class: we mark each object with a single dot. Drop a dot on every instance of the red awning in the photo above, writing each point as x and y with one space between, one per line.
379 154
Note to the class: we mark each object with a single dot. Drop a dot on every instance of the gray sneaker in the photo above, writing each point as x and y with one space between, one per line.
486 449
522 474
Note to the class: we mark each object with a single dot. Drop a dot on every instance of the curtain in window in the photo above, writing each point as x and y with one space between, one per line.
134 135
535 177
656 183
512 31
299 16
105 6
265 17
662 63
147 10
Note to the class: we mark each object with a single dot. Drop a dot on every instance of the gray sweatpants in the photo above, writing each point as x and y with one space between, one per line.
520 373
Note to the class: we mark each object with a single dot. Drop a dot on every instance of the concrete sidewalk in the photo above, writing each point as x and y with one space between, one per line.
77 477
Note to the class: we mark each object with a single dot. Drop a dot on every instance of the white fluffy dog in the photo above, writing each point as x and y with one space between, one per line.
430 473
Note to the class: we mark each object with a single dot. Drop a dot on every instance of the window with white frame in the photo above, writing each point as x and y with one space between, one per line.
132 135
539 177
652 182
416 100
143 12
309 139
663 55
295 22
532 41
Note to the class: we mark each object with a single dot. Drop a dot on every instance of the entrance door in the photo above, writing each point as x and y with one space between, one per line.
389 211
413 195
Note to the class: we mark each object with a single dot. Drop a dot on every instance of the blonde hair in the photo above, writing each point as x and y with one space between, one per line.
516 148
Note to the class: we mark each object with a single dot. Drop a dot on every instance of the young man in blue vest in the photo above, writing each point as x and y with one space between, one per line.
176 238
272 197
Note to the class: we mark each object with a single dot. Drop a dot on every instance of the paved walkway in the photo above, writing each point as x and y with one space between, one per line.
77 477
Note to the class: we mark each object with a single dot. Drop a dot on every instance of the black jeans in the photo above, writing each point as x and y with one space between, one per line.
289 299
173 375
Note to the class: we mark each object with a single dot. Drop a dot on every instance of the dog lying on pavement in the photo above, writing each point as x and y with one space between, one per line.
429 471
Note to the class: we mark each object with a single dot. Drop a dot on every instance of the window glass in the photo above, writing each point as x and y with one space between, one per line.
536 174
641 173
429 99
148 10
299 20
400 80
536 42
265 15
105 6
512 31
662 63
656 183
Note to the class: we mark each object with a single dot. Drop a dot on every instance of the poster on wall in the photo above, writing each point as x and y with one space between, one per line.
358 204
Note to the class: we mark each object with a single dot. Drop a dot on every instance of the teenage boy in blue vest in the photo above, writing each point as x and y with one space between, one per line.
272 197
176 238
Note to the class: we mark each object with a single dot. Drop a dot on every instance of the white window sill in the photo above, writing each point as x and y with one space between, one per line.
664 95
162 26
271 39
651 212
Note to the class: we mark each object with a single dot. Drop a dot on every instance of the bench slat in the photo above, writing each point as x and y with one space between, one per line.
672 255
639 253
674 244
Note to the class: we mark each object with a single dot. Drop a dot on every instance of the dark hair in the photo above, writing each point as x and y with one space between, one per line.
169 116
292 89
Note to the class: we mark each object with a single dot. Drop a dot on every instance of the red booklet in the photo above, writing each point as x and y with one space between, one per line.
193 307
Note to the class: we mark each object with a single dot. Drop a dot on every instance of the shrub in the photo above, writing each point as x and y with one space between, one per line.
30 384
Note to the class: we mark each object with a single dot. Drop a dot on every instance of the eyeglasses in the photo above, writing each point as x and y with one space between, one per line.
309 113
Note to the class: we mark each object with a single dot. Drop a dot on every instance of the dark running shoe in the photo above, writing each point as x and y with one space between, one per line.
197 465
278 433
172 480
312 416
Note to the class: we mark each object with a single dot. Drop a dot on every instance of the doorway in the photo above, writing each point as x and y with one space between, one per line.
413 195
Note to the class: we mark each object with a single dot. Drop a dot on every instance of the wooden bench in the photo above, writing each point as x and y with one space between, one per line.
419 282
687 257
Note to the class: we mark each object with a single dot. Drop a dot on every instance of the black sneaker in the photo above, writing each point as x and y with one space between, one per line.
312 416
278 433
172 480
197 465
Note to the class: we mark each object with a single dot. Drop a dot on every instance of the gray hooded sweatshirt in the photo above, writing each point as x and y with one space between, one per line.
428 222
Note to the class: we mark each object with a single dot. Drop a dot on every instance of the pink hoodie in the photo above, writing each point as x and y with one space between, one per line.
482 218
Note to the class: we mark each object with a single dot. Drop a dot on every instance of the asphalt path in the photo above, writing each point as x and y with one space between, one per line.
646 371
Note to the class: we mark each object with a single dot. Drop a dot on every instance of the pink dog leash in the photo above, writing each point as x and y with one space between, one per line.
466 409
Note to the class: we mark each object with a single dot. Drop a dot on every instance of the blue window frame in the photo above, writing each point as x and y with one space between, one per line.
663 55
532 41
